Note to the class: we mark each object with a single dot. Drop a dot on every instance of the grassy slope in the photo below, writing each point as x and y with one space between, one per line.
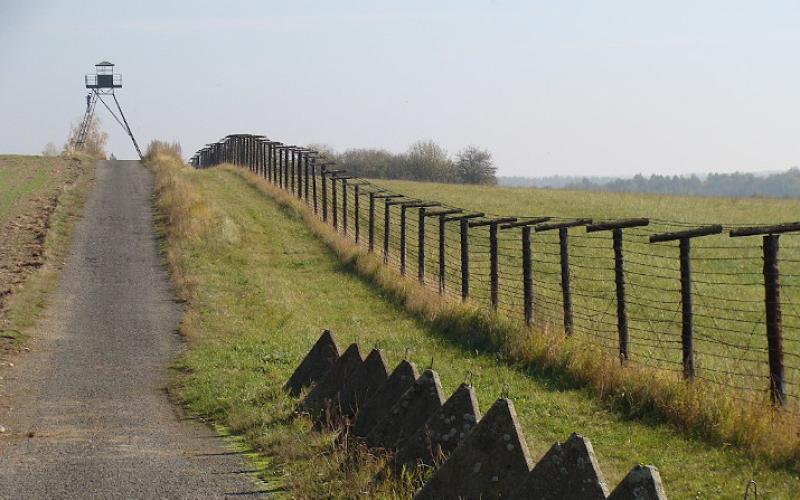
26 181
260 288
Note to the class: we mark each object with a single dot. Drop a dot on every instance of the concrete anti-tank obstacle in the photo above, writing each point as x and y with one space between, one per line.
315 365
643 482
321 396
567 470
376 407
364 382
409 413
491 461
442 432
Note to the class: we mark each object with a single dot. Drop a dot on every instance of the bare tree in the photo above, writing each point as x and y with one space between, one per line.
50 149
428 161
95 142
475 166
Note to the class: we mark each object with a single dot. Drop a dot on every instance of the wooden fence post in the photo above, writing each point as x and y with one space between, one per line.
684 239
344 205
494 263
442 216
287 168
357 211
421 246
280 167
291 170
464 259
442 263
772 300
371 223
300 161
527 276
314 183
527 263
464 234
616 228
388 202
563 243
324 175
403 208
772 303
334 202
306 172
386 225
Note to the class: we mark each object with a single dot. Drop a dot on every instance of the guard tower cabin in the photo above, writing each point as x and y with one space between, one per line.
104 78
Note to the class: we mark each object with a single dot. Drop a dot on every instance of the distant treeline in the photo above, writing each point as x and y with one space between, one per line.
550 181
423 161
779 185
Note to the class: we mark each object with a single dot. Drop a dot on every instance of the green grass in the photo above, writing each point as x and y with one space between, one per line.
730 341
261 286
21 177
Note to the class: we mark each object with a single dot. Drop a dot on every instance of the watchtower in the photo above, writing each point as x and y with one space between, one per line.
102 83
104 80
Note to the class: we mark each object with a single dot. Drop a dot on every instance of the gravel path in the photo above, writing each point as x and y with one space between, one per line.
85 412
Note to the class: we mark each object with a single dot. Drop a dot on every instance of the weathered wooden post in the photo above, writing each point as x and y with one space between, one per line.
357 212
334 200
684 239
271 161
494 266
287 168
306 173
403 239
314 182
324 175
258 153
387 206
281 165
772 302
421 245
441 215
463 220
344 203
403 207
301 157
563 243
616 228
464 232
527 263
281 150
371 223
262 157
371 227
290 171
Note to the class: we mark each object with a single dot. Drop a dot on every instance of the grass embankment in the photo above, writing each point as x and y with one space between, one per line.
260 285
40 200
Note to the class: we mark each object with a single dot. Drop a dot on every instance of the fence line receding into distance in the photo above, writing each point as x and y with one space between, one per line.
716 308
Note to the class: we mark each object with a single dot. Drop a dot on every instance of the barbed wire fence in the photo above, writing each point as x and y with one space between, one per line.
708 302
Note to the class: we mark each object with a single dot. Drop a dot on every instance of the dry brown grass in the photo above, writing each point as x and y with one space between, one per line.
186 215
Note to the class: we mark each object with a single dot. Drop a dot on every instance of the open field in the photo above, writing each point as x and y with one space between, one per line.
39 199
260 286
728 294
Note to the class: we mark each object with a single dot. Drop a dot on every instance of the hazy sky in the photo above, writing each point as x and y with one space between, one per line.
558 87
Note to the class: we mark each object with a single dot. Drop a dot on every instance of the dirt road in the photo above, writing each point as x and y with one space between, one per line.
85 412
